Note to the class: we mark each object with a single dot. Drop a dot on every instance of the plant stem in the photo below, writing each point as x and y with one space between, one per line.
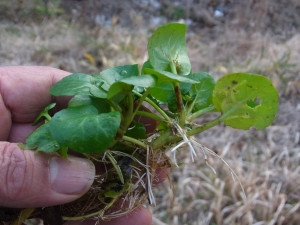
170 114
115 165
159 110
206 126
134 141
48 117
216 121
200 112
114 106
149 115
166 138
169 138
140 102
129 110
179 103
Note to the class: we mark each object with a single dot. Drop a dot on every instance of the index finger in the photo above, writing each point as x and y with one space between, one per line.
24 93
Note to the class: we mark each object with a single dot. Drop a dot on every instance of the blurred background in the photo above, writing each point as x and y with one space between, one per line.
255 36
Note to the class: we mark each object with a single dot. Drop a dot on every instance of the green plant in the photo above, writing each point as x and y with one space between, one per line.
102 120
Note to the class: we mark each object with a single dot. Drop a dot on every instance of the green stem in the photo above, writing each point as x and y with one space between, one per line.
159 110
200 112
134 141
170 114
115 165
166 138
48 117
126 119
140 102
218 120
118 136
115 106
173 67
149 115
206 126
129 110
179 103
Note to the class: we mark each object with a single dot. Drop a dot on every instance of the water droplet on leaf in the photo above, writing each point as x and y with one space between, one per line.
123 73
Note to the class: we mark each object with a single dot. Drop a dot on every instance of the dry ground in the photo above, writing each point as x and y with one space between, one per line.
267 162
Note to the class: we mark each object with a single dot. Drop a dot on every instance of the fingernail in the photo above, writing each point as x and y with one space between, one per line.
71 176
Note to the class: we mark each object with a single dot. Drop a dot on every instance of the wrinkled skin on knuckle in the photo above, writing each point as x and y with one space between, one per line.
13 182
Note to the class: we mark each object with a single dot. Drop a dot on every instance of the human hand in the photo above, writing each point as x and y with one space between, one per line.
30 180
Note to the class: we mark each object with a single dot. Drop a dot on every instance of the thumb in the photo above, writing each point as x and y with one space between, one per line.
29 179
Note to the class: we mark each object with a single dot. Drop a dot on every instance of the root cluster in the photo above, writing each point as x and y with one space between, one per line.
109 197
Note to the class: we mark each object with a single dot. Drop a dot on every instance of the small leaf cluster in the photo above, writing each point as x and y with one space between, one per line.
103 110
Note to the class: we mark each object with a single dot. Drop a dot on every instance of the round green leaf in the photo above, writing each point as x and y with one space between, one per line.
246 100
84 130
167 46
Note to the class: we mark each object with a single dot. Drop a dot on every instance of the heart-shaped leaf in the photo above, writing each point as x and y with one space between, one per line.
167 46
84 130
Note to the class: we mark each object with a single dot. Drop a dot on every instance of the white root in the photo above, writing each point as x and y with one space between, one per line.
150 192
190 141
186 140
174 151
132 197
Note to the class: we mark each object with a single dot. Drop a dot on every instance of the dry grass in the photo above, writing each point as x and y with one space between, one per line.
267 162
